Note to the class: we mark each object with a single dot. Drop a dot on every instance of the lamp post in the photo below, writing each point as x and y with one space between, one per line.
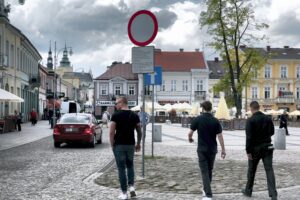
56 53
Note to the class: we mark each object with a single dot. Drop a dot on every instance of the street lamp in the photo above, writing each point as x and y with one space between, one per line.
56 53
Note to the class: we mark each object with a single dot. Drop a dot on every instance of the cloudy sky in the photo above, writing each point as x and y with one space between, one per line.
97 29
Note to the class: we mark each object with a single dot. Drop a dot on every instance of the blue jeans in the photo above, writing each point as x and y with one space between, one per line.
206 164
124 159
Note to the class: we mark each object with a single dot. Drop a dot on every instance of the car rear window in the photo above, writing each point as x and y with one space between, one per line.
75 119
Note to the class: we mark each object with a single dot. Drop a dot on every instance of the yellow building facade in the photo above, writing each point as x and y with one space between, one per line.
277 84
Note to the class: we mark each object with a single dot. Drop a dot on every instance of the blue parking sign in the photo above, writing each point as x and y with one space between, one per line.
153 78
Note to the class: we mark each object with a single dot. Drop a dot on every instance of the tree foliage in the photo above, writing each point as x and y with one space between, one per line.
232 25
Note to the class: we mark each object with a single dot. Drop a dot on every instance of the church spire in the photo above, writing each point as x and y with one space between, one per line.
65 59
50 59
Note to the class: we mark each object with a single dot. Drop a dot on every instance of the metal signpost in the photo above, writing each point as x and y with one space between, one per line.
142 29
153 79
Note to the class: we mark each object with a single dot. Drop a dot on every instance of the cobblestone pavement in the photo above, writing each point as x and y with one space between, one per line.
229 174
39 171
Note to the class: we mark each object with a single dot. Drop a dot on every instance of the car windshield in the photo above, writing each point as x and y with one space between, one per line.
75 119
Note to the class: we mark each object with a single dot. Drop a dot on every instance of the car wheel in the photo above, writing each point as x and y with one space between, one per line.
93 143
56 144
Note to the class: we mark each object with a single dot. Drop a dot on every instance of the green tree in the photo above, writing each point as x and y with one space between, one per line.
232 25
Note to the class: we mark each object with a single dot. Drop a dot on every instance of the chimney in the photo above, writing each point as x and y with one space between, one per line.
216 59
286 47
181 50
268 48
197 50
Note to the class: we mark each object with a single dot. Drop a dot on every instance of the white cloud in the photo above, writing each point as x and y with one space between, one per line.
97 29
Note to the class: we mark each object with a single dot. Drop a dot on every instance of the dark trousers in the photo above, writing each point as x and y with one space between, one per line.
267 158
18 124
206 164
124 158
285 127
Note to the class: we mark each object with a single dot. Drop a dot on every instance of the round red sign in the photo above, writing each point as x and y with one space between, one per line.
142 28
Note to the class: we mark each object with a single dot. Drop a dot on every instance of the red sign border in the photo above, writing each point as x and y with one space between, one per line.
141 12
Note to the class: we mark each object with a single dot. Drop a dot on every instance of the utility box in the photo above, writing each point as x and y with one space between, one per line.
280 139
157 135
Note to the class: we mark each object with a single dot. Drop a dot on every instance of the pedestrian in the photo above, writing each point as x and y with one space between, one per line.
122 140
18 119
259 130
105 118
208 128
33 117
144 118
284 122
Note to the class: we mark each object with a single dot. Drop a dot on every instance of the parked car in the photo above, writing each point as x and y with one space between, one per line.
77 127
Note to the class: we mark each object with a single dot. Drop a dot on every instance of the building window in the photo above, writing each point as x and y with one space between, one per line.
268 71
131 90
163 86
199 85
298 92
7 52
298 72
185 85
103 89
267 92
173 85
12 55
283 72
254 92
118 90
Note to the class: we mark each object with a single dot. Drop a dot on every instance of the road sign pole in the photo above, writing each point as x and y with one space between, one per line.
153 119
144 128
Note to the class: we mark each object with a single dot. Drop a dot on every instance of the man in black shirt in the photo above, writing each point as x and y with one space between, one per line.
259 129
284 122
122 140
208 128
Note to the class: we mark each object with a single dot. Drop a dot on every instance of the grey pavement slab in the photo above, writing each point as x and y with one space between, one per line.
28 134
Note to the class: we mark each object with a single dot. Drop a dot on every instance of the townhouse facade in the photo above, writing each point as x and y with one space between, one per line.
116 81
19 68
277 84
185 78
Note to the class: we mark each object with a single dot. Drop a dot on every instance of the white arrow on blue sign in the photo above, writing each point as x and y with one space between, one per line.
153 78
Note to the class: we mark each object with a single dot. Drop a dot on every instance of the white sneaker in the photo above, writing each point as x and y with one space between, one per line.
203 193
132 191
123 196
206 198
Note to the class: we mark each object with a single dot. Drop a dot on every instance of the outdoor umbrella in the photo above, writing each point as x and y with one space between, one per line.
7 96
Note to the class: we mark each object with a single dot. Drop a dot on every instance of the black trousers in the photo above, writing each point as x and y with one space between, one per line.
206 164
267 157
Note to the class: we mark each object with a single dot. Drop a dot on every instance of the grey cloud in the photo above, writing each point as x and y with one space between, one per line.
165 18
286 25
165 3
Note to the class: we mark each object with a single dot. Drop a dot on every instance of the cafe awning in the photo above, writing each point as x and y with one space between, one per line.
7 96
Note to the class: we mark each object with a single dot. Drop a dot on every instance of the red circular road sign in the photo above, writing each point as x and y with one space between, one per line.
142 28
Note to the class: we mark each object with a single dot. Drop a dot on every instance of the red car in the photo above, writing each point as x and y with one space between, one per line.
77 127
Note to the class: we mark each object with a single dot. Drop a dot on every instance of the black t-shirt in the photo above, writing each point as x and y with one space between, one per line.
126 121
207 127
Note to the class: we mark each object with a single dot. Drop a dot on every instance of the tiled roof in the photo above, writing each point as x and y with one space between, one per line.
123 70
280 53
179 61
216 70
81 75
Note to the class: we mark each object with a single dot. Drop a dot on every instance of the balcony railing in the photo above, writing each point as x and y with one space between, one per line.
285 100
200 95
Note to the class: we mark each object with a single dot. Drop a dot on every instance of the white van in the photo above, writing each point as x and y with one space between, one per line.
69 107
